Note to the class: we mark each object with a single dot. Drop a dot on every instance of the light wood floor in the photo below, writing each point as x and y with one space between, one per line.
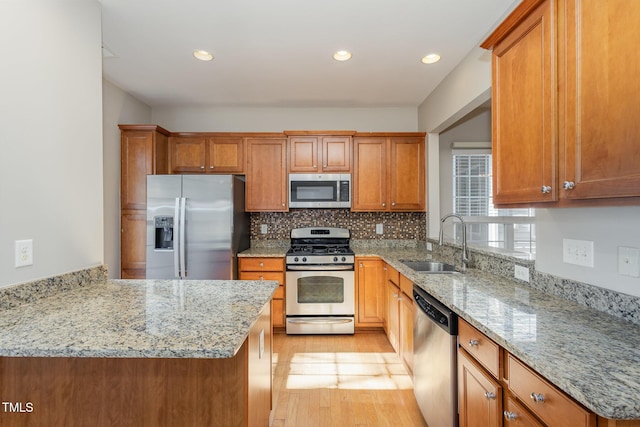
341 380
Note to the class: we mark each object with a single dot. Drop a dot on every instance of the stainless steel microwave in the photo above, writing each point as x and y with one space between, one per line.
319 190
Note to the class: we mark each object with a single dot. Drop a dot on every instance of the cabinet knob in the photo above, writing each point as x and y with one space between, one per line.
360 265
509 416
473 343
546 189
201 167
261 277
384 204
324 166
262 264
568 185
283 205
489 395
315 166
537 397
393 203
211 167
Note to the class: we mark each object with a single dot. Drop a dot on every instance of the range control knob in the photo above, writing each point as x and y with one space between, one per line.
344 259
335 259
304 259
295 259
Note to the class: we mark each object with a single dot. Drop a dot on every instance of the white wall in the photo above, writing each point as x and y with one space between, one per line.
50 136
258 119
118 108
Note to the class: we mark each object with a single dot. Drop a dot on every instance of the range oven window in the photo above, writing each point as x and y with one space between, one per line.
320 290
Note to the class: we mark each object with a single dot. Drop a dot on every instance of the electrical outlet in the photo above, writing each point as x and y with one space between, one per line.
264 229
578 252
24 252
629 261
379 229
521 273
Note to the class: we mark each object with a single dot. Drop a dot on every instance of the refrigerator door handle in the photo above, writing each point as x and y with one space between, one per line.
183 264
176 241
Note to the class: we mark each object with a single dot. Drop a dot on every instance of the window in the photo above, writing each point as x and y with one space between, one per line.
510 229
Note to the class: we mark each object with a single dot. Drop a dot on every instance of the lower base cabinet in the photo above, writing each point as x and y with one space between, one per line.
479 395
399 312
267 268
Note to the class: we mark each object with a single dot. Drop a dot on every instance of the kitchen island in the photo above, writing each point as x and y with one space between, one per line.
139 353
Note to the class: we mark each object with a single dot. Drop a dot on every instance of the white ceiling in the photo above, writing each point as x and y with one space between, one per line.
278 53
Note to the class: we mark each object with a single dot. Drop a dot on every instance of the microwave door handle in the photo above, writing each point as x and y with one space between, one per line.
176 239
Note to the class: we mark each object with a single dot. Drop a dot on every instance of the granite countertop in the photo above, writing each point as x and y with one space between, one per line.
266 252
137 318
592 356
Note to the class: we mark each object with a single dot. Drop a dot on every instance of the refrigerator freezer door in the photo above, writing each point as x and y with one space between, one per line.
208 226
162 191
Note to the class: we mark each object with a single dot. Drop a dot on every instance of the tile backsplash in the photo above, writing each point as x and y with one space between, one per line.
396 225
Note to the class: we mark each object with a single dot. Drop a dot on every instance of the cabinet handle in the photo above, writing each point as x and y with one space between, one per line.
473 343
568 185
537 397
510 416
546 189
489 395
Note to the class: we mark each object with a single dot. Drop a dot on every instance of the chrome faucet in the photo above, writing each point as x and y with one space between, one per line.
465 255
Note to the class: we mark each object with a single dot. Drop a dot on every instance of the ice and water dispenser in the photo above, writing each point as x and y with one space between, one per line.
164 232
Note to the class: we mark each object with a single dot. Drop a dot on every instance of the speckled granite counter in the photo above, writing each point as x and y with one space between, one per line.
592 356
136 318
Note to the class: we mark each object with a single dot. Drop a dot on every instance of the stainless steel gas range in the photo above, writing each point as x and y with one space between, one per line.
320 291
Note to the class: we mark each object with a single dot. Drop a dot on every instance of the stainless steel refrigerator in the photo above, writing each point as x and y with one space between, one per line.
196 224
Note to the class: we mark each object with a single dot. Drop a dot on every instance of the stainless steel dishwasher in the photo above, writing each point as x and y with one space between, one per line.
435 382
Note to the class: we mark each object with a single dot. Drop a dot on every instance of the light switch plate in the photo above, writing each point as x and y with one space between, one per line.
521 273
379 229
629 261
578 252
263 228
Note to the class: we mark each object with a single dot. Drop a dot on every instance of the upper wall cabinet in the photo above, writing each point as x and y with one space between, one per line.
203 154
565 125
389 173
321 153
266 172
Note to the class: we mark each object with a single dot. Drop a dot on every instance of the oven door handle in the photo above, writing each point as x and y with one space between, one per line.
320 268
323 321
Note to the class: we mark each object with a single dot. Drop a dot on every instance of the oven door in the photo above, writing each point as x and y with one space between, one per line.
330 293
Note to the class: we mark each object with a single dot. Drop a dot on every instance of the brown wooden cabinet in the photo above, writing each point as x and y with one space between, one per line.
399 313
206 154
406 314
143 151
565 123
319 153
264 268
389 173
479 395
266 173
369 292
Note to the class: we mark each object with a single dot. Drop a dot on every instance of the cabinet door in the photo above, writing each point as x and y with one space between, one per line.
406 330
516 415
369 174
601 102
136 162
523 112
225 155
336 154
266 172
407 174
187 155
133 256
393 315
370 292
479 395
303 154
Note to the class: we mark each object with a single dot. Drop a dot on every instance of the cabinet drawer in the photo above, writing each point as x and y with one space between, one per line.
259 275
480 347
552 406
407 286
516 415
260 264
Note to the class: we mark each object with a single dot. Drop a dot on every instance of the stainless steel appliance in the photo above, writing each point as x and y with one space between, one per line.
319 190
435 382
196 225
320 291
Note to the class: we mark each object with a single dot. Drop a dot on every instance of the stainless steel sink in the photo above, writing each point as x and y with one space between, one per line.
431 267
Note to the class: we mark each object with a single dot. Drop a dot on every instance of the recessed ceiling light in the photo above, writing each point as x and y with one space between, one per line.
202 55
431 58
342 55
